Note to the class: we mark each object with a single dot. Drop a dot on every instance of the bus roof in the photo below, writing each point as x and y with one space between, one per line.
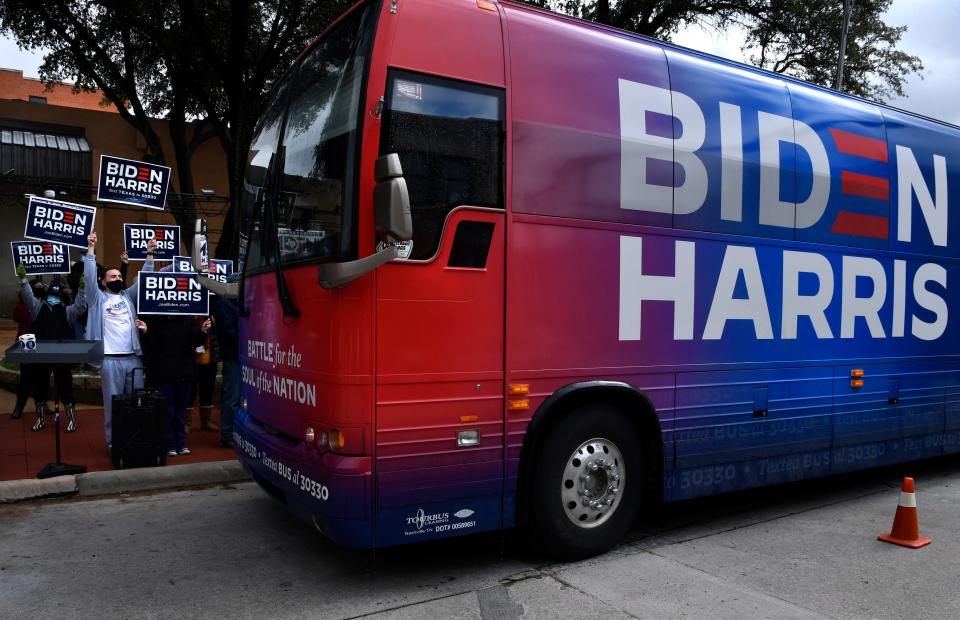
712 57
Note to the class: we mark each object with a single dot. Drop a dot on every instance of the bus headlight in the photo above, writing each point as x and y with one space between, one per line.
323 439
309 435
243 404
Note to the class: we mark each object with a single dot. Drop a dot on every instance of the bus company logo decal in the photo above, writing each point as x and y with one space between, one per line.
424 522
463 513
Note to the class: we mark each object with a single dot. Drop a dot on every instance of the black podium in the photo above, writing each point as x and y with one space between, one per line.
57 352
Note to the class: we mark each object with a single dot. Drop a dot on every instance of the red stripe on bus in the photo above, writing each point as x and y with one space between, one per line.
861 146
864 185
859 225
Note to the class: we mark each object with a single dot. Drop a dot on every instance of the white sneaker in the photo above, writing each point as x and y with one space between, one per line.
171 453
184 451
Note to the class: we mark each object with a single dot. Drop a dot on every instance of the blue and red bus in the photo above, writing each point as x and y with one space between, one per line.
504 268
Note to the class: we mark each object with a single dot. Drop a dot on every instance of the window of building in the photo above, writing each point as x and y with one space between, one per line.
450 137
34 99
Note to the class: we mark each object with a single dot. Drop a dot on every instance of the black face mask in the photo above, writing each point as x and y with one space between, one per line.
115 286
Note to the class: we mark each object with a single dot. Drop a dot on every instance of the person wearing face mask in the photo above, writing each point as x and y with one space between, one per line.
53 319
111 317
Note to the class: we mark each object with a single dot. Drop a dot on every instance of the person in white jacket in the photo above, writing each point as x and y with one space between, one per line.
112 318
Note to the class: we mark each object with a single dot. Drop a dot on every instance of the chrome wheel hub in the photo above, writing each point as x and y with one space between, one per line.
592 483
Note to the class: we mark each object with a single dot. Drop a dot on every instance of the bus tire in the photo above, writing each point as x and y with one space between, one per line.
587 482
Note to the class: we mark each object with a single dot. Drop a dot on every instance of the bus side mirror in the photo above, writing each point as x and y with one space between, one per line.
391 202
391 211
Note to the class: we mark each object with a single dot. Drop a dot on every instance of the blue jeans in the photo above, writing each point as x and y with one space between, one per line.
178 397
229 398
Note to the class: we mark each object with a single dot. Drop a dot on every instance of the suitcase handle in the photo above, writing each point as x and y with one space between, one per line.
133 379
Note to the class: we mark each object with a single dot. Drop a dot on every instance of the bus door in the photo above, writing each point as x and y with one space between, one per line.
440 315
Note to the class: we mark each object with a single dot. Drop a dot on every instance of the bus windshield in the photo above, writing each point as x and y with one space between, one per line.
300 184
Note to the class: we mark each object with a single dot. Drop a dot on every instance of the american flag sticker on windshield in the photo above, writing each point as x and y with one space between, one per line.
411 90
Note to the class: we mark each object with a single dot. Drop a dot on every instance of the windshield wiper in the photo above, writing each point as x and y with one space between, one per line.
270 199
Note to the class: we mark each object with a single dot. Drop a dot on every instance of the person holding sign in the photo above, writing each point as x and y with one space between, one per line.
168 346
53 319
111 317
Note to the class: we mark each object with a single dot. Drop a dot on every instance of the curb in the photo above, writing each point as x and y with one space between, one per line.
32 488
100 483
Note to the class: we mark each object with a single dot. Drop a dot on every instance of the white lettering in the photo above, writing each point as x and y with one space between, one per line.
867 307
635 288
929 272
813 306
731 147
736 260
774 129
638 147
910 182
899 298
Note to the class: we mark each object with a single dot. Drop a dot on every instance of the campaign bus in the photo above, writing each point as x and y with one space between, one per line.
504 268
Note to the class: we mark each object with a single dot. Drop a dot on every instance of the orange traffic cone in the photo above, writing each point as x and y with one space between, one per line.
906 526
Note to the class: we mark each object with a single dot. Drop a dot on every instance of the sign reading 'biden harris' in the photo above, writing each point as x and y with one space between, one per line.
132 182
171 293
59 222
137 236
40 257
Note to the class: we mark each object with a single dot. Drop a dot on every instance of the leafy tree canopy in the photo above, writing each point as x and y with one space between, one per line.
211 61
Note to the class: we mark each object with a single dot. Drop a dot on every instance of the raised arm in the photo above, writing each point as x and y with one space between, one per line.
91 290
79 305
26 296
124 266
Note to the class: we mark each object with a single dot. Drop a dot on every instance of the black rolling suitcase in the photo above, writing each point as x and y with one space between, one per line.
138 423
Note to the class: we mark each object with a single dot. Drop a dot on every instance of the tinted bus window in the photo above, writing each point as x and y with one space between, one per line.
450 138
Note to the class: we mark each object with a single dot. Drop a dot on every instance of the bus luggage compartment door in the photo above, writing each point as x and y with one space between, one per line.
896 414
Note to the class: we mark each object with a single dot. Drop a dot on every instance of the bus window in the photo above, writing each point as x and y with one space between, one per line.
262 151
450 138
314 202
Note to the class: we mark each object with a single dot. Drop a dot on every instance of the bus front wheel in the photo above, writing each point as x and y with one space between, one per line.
587 484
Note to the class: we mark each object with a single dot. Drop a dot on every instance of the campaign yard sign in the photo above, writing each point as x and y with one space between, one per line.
132 182
220 269
59 222
40 257
164 292
136 237
183 264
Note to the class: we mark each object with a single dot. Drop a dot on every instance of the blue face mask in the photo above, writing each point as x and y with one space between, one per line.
53 300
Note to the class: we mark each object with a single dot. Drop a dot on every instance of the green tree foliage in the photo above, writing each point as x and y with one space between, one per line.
800 38
210 61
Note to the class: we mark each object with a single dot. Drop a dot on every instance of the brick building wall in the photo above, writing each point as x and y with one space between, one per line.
15 87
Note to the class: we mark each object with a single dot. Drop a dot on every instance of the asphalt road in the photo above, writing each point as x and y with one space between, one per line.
802 551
